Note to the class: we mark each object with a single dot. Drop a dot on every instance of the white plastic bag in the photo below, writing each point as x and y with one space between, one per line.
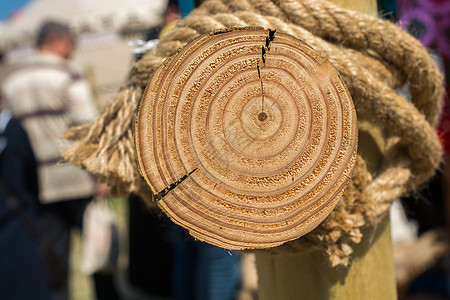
100 242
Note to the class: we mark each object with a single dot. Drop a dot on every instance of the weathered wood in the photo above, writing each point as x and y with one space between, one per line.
248 136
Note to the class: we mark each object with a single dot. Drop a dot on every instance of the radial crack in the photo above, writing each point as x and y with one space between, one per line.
270 38
166 190
262 86
264 50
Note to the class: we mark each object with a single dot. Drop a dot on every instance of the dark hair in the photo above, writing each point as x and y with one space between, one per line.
51 30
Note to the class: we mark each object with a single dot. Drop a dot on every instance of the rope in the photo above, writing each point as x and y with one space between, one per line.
374 58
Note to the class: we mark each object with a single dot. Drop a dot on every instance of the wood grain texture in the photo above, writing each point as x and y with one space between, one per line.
249 137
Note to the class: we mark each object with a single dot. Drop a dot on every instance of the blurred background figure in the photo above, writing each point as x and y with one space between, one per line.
103 30
48 94
22 272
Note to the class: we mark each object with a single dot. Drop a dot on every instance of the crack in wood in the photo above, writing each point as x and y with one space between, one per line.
271 36
269 39
261 81
165 191
264 49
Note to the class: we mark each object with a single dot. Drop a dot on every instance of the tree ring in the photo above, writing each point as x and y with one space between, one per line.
250 137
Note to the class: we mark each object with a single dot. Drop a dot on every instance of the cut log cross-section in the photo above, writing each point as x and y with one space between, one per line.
247 137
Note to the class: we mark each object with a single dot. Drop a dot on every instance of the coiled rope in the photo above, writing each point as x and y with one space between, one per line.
374 58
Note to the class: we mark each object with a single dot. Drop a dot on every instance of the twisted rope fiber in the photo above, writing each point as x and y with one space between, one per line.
374 57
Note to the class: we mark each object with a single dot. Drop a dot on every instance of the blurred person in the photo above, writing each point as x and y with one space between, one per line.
22 272
48 94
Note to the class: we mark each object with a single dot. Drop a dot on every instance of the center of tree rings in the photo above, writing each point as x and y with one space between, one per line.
247 136
262 116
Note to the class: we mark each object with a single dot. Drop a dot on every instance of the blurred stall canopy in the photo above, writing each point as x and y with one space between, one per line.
84 16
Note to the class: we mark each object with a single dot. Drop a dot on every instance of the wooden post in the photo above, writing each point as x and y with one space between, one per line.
308 275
